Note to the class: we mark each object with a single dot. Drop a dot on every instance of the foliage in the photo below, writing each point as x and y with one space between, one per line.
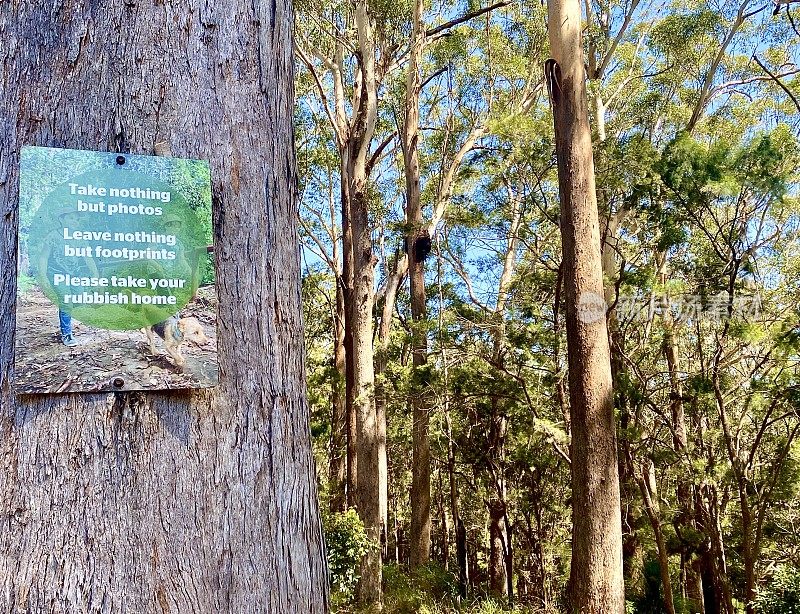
697 172
782 594
25 283
346 543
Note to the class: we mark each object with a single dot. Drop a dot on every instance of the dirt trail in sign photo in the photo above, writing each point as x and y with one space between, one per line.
43 364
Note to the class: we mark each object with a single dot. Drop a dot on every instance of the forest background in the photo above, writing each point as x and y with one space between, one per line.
434 308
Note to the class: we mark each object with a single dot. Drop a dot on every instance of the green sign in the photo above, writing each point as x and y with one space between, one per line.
116 248
115 273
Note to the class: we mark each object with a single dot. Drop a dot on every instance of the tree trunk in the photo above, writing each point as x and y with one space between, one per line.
182 501
647 484
381 389
461 557
497 539
369 441
719 581
632 548
685 516
347 295
338 458
460 533
509 557
415 237
444 524
368 450
596 572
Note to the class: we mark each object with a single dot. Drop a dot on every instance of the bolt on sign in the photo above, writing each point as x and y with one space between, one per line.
115 283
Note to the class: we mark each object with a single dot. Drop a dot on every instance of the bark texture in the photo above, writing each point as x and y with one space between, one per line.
596 573
338 453
421 461
166 502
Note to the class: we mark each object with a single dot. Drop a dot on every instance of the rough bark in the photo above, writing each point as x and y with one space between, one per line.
497 540
347 296
421 459
166 502
596 572
369 446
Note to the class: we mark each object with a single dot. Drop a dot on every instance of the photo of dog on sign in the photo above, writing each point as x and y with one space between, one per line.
115 275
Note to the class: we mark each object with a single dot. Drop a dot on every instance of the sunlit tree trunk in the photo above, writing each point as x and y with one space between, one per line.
596 577
415 236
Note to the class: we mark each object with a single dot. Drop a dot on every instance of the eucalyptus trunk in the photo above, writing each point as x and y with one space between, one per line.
596 577
199 501
416 238
338 452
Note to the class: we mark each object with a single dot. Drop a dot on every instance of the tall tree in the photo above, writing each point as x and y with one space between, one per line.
202 501
367 65
417 243
596 575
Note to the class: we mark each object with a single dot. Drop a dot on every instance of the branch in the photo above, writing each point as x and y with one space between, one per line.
310 66
373 160
440 31
630 78
791 20
322 253
433 76
617 39
459 269
702 100
778 81
446 191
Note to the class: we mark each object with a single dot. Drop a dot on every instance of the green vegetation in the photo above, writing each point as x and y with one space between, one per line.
696 130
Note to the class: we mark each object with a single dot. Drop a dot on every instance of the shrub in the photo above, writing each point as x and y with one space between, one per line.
782 595
347 542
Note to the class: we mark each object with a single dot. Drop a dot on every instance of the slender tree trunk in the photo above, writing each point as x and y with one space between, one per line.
632 548
596 573
497 539
444 519
381 389
338 458
415 237
509 557
368 452
198 501
460 534
461 557
693 579
647 484
718 598
383 472
540 575
685 517
347 296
